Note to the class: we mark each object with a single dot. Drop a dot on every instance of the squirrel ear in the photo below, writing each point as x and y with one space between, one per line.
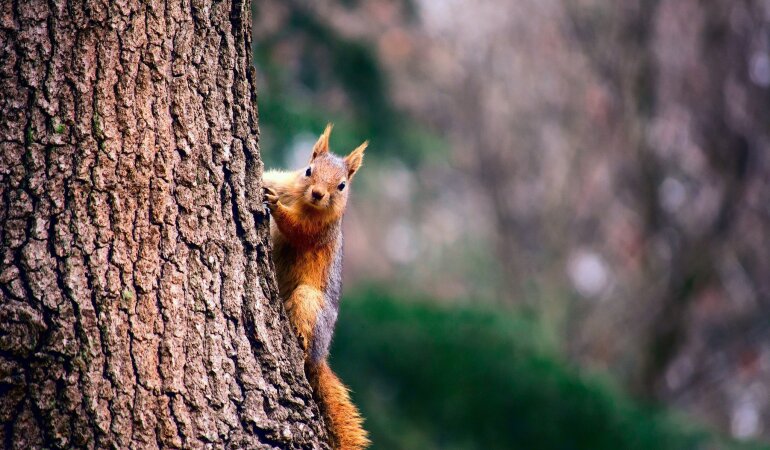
355 159
322 145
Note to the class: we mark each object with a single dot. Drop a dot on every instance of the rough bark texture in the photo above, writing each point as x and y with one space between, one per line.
139 307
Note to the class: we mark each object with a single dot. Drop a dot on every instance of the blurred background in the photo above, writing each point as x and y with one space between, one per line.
561 235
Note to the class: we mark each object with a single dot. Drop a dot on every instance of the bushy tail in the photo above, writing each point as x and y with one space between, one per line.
342 415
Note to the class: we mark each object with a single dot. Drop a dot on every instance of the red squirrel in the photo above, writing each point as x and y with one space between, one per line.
307 206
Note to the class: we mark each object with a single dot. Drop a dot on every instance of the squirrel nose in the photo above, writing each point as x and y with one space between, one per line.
318 195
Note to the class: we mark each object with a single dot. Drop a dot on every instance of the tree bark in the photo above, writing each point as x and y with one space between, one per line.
139 307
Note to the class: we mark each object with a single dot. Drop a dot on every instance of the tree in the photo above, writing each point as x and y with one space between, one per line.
699 93
139 307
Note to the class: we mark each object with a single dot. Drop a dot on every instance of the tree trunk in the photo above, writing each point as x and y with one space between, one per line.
139 307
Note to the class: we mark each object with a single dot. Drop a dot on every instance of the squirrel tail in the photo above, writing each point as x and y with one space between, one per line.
345 422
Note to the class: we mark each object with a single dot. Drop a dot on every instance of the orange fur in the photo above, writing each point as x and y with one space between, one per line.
307 206
346 423
355 159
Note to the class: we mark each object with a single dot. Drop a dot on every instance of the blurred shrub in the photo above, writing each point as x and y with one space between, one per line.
429 378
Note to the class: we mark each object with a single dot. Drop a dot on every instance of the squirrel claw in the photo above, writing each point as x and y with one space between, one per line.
271 198
302 340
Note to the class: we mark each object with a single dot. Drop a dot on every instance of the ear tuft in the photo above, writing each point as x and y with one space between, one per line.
355 159
322 145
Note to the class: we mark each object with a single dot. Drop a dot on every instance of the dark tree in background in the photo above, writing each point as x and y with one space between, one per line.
695 84
138 305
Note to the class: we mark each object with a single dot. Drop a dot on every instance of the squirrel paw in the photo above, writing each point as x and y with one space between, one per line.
302 340
271 198
303 343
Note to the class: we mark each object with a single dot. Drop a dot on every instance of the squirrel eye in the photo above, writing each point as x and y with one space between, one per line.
308 171
341 186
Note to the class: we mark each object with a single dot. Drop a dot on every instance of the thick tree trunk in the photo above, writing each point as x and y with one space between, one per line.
139 307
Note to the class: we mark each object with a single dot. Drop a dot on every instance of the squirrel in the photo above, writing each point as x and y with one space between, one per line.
307 206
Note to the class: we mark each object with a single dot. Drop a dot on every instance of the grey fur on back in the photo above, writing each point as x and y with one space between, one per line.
327 317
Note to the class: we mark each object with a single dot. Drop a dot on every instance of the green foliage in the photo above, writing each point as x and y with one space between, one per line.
294 98
467 378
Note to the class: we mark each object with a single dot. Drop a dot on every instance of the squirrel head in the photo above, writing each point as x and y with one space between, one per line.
325 182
